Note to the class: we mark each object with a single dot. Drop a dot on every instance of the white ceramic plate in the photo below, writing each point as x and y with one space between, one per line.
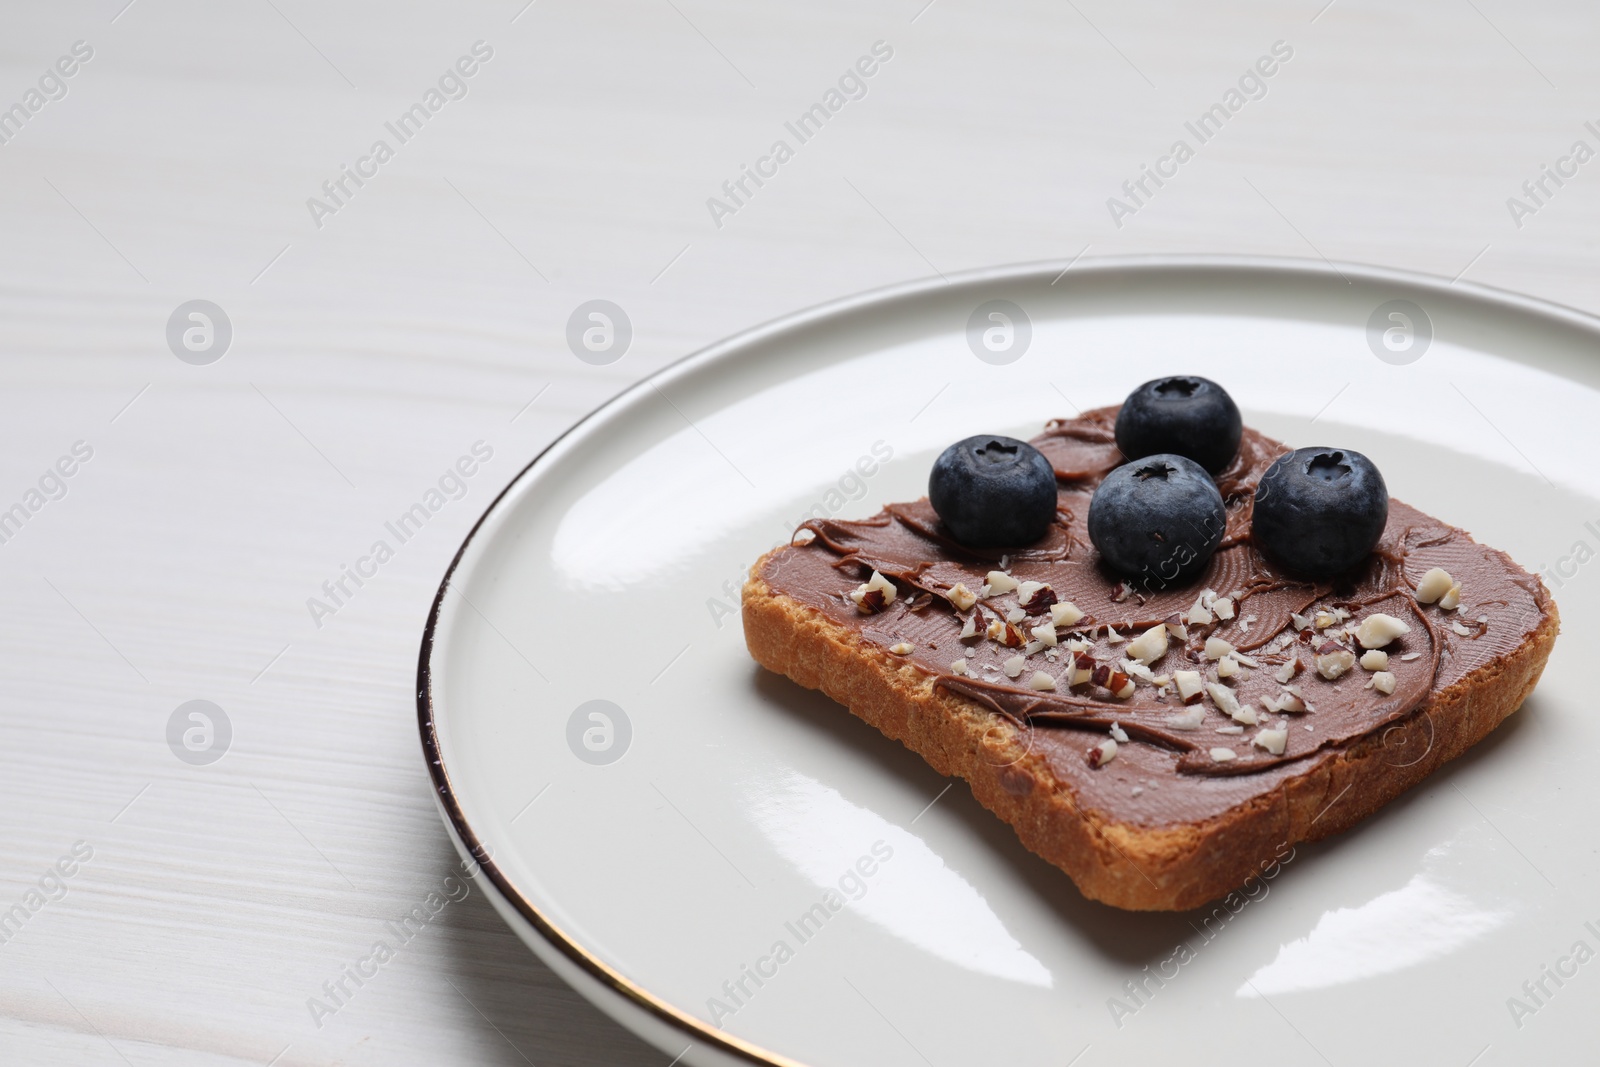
660 848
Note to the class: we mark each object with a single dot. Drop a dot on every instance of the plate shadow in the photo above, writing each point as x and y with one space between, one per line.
539 1018
1124 938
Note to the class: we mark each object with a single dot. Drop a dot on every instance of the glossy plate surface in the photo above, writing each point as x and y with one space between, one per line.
660 816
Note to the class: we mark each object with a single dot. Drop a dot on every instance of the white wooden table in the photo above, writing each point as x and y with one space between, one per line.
377 338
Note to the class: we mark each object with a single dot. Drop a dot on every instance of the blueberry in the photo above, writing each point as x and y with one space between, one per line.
1184 415
1157 520
1319 511
993 492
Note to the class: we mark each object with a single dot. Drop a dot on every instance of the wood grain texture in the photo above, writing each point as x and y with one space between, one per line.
431 309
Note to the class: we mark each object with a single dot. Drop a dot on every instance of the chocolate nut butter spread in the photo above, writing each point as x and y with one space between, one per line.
1218 686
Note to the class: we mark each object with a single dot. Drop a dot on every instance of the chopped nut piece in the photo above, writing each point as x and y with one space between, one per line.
1118 733
1216 648
1187 720
1000 582
902 648
1078 644
1082 671
1041 681
1189 685
1451 600
1275 705
1045 632
1409 656
874 594
1375 660
1016 615
962 597
1112 637
1135 669
1223 755
1292 701
1244 623
1379 629
1300 621
958 666
1013 666
1227 667
1208 597
1383 682
971 628
1103 753
1460 629
1198 615
1150 645
1287 672
1286 701
1333 664
1223 608
1435 584
1035 596
1274 741
1323 620
1065 613
1176 628
1243 660
1231 728
1031 647
1229 704
1004 633
1121 592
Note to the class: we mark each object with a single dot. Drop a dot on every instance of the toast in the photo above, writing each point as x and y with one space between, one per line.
1287 740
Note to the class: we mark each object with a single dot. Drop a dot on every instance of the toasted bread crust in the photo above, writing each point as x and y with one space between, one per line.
1138 868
